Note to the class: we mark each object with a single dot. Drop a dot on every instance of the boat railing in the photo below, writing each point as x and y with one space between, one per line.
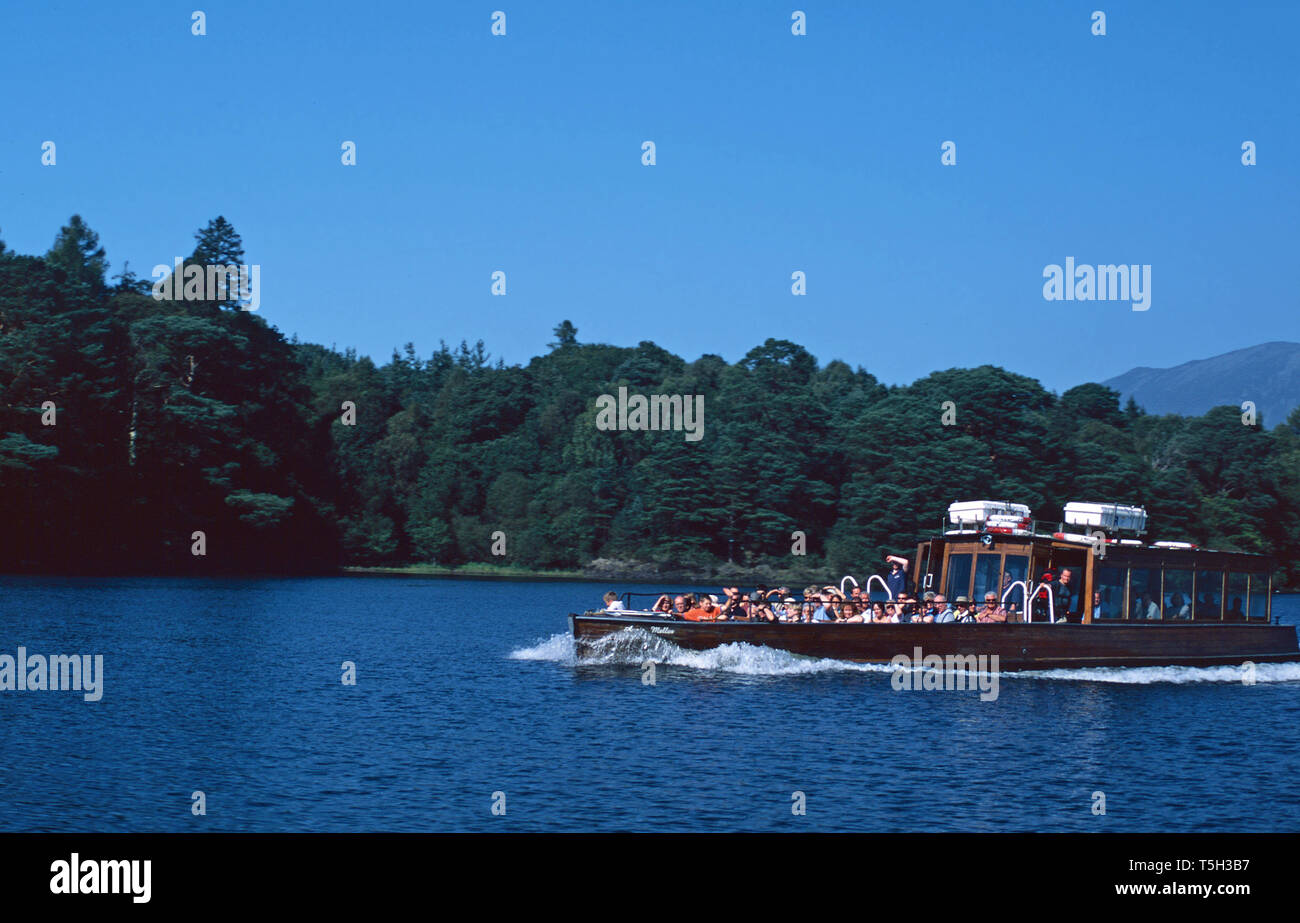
1024 586
845 579
1051 603
884 586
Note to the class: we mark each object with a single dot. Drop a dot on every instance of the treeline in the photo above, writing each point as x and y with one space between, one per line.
177 417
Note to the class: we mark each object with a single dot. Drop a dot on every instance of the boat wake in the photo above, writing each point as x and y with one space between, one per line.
1264 673
635 646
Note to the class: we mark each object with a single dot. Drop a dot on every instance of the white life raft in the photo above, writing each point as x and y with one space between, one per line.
1112 516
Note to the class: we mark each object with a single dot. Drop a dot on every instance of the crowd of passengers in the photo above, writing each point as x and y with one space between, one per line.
830 604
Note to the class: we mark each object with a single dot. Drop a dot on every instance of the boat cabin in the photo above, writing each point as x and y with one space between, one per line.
994 546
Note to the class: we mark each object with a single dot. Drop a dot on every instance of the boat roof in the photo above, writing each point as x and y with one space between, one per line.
1126 549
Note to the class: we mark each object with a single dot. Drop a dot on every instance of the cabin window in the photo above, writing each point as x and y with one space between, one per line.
988 574
1143 594
1178 594
1014 569
958 576
1258 597
1110 589
1209 595
1235 598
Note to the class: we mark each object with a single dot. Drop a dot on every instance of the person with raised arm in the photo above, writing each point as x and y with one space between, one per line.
896 579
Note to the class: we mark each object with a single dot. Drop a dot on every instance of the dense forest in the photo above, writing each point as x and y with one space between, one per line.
128 424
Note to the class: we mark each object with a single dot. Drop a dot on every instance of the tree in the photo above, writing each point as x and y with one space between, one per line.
565 335
77 252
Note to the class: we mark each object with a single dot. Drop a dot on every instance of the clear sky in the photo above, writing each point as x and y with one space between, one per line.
775 153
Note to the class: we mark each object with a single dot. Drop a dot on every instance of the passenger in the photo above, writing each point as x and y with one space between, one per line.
906 606
1235 614
854 613
925 612
942 611
1097 611
891 614
825 612
731 606
1063 590
761 611
963 613
806 612
1145 608
1178 607
991 612
896 579
790 611
663 604
612 602
706 611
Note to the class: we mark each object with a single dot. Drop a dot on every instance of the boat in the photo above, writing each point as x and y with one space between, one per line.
1164 603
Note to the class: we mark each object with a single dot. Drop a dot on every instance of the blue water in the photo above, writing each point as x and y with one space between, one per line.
466 688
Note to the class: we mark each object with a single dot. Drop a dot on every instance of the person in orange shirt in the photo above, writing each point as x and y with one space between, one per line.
705 611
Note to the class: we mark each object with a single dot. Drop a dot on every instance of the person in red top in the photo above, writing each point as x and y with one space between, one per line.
705 611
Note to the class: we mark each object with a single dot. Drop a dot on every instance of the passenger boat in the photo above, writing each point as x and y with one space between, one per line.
1157 603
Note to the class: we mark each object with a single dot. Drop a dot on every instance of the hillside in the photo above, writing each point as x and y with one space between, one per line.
1268 374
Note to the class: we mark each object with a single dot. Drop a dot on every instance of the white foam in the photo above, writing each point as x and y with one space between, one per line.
1229 673
634 646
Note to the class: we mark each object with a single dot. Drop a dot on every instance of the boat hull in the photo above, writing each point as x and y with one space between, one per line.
1018 646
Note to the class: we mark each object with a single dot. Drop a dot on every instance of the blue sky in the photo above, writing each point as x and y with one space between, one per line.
775 153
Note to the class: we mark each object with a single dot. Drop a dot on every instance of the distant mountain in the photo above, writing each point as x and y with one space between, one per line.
1268 374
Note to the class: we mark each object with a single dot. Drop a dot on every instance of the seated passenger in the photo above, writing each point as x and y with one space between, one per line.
1235 614
963 613
925 611
942 611
1178 607
1144 607
662 604
731 605
991 612
825 612
612 602
706 611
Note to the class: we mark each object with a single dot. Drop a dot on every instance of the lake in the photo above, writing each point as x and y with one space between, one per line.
466 688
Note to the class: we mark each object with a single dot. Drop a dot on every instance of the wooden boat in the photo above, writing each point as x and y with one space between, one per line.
1155 604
